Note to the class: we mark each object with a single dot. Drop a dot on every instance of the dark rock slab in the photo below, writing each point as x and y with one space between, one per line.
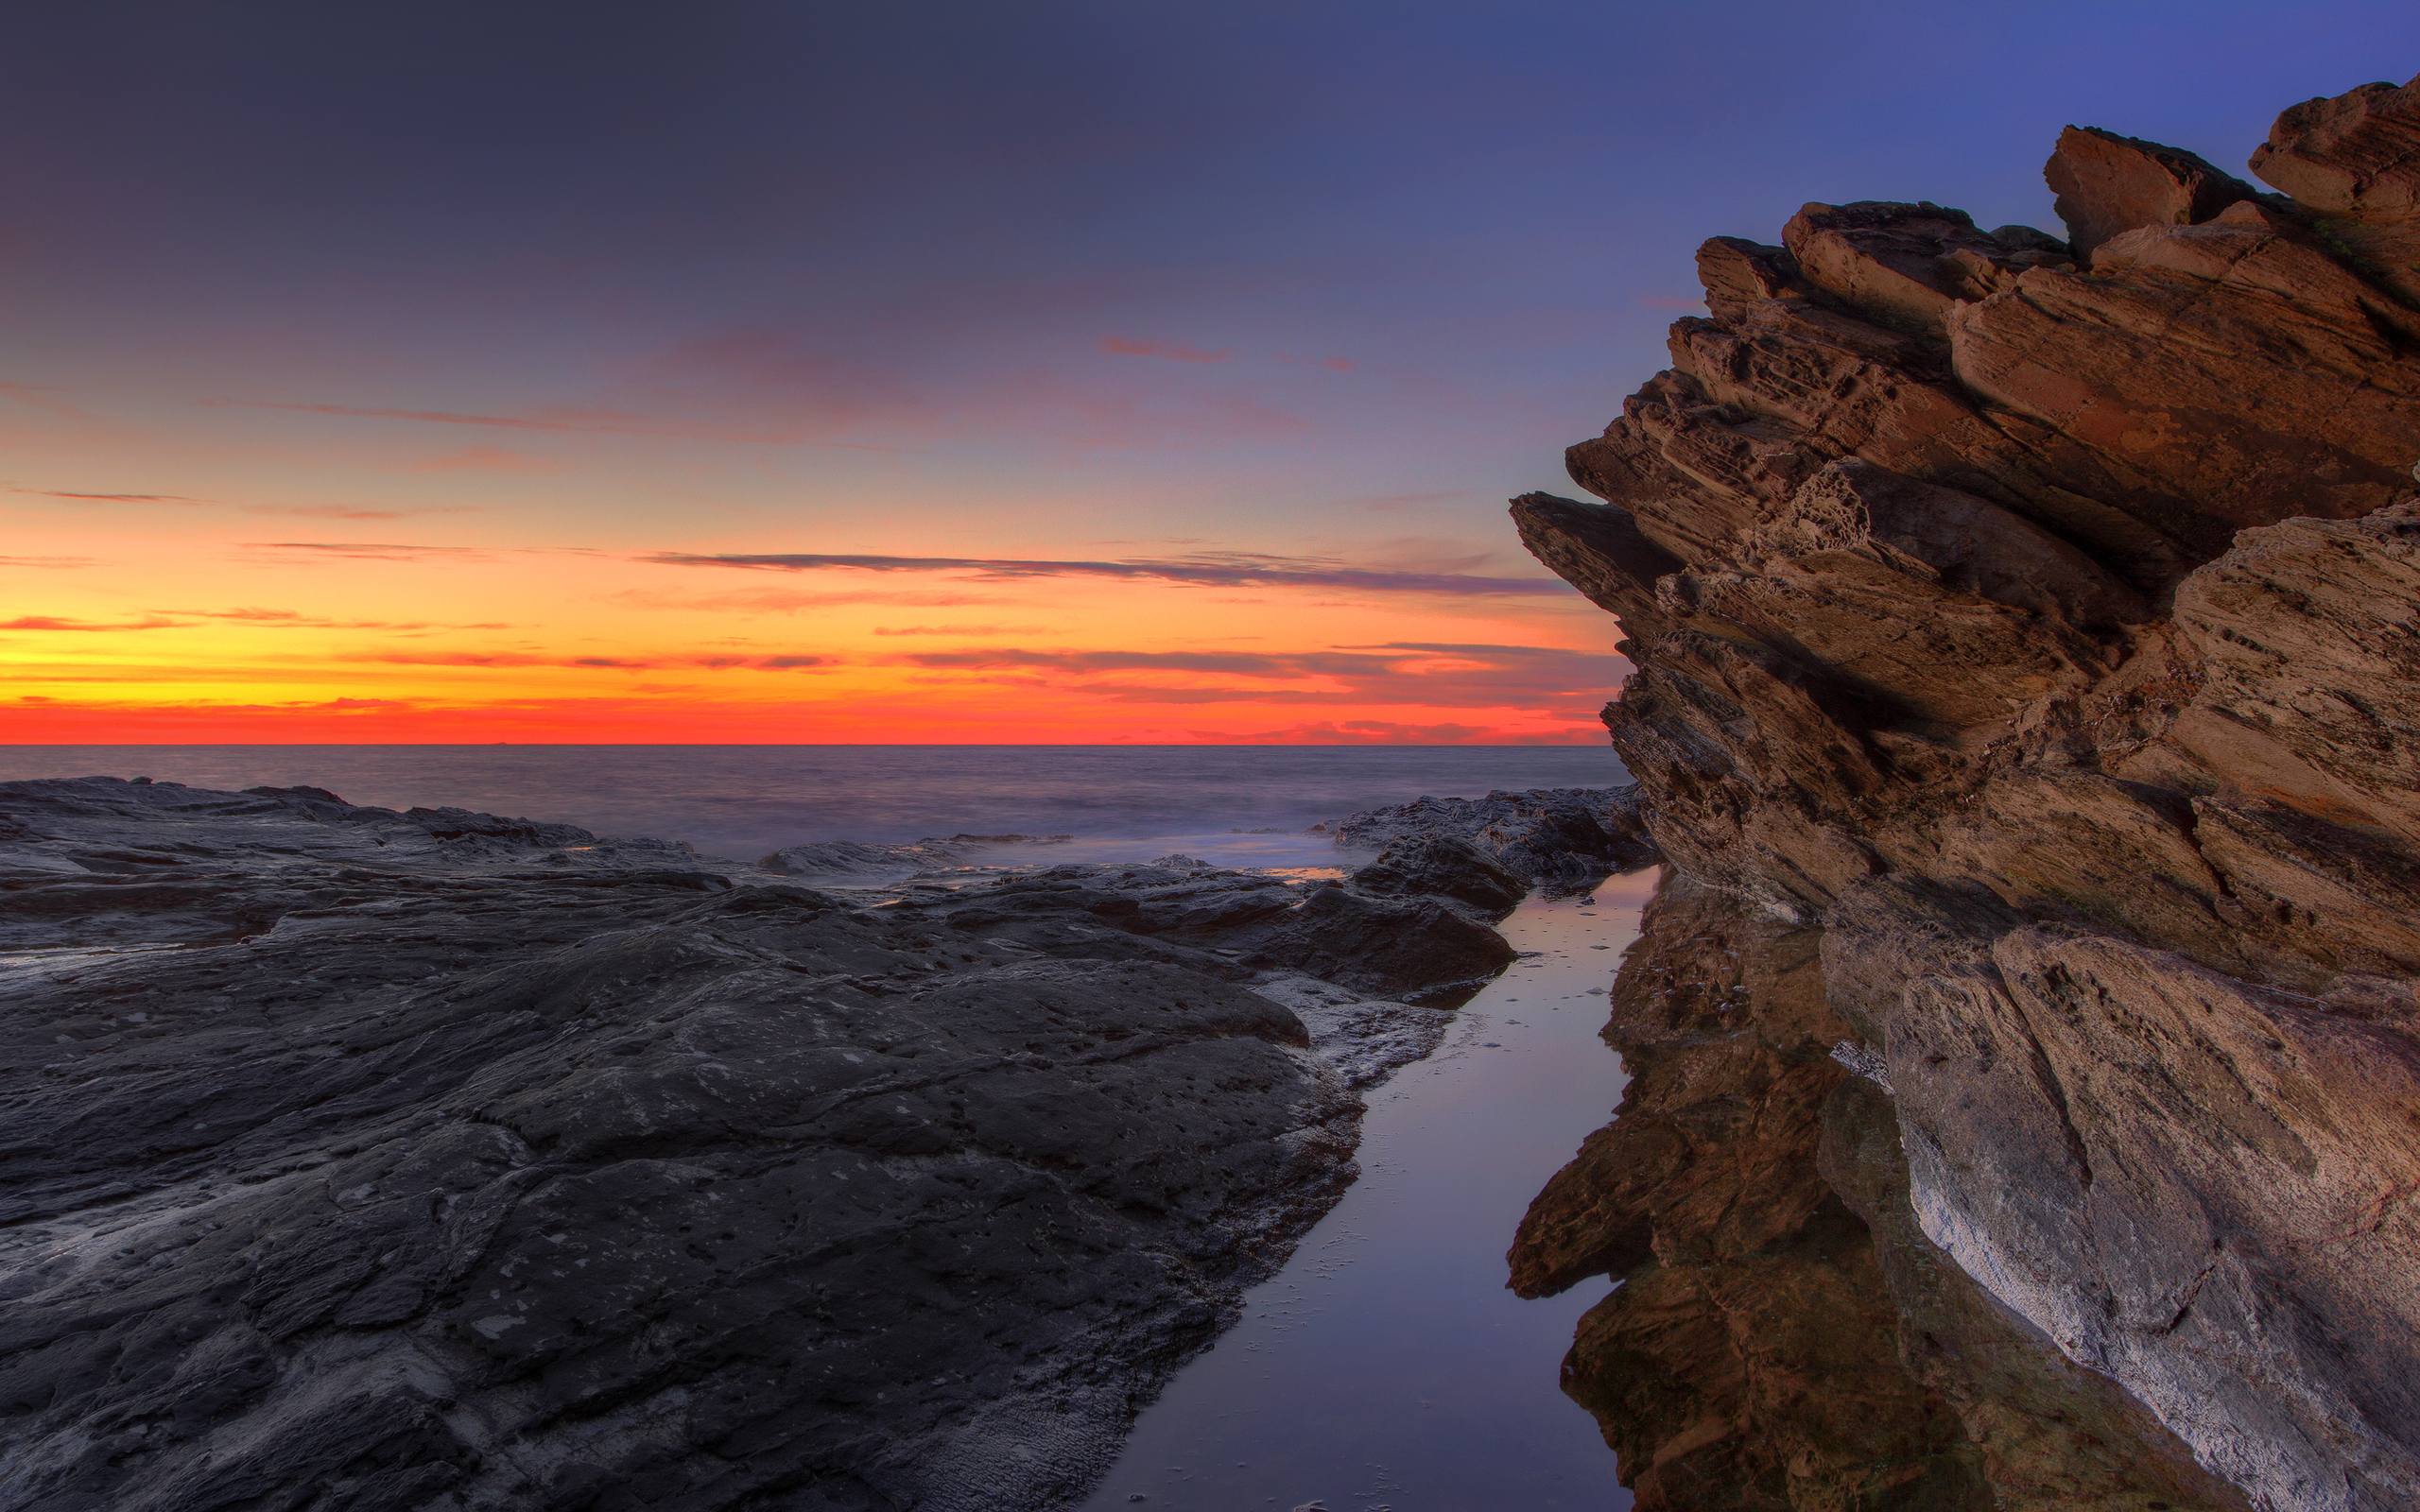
370 1160
1561 839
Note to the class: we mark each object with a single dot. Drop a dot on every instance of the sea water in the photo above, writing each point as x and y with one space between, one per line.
1235 805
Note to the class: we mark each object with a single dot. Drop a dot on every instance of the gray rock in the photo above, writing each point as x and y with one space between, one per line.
856 863
432 1159
1447 867
1561 839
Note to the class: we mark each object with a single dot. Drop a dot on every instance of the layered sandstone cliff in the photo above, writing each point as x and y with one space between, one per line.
2040 619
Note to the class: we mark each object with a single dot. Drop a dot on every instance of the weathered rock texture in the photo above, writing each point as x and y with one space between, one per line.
2043 619
1783 1336
360 1159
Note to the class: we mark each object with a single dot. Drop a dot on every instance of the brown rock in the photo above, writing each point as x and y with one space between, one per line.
2357 154
2049 636
1738 273
1904 264
2108 183
1785 1336
2354 164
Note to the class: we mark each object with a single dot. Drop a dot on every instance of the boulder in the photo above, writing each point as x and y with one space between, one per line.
2108 183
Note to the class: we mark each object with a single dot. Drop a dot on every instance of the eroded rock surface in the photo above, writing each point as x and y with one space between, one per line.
2038 616
362 1159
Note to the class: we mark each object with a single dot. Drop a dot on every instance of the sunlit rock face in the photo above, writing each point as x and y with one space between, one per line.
2038 617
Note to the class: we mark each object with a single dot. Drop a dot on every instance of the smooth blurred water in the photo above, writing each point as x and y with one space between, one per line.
1240 805
1386 1364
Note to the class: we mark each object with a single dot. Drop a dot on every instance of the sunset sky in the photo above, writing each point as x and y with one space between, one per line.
991 372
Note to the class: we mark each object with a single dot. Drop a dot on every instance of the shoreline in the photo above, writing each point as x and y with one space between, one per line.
1125 1089
1386 1359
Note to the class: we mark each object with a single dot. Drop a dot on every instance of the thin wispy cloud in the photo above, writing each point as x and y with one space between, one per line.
45 563
484 459
1429 674
347 511
1252 664
1370 732
1187 693
1481 649
366 550
496 659
710 662
44 397
547 420
54 622
1219 570
288 619
790 601
1166 351
564 420
763 664
81 496
297 511
1388 503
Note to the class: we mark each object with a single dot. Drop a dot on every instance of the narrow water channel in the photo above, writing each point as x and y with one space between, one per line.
1386 1365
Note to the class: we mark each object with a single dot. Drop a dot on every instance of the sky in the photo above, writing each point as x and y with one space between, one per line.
1001 372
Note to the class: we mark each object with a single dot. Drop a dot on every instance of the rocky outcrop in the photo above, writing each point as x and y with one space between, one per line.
1784 1337
1561 839
2038 618
370 1160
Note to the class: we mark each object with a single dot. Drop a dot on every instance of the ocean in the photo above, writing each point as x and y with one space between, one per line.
1234 805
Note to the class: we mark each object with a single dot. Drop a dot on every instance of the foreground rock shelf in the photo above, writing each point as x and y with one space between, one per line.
433 1159
2034 620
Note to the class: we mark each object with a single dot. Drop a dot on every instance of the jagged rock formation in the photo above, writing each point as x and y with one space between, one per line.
364 1159
2042 618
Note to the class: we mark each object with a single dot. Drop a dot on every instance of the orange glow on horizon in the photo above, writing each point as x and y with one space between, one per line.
164 623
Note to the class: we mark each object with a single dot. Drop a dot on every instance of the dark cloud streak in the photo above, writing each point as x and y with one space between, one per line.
53 621
81 497
1231 570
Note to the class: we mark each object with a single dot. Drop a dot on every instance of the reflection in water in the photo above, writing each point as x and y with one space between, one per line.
1784 1337
1386 1364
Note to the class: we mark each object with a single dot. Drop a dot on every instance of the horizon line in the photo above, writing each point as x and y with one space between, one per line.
809 745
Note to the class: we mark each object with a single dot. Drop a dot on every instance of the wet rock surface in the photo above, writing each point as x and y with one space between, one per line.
433 1159
1561 839
2037 616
